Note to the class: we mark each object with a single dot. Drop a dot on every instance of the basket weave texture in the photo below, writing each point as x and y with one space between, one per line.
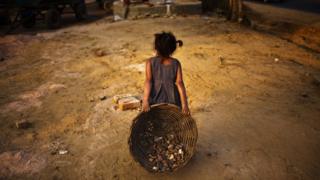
166 118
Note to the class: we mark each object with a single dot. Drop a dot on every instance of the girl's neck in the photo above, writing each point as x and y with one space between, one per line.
166 60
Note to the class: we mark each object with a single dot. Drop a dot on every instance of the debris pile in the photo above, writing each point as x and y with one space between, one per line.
164 153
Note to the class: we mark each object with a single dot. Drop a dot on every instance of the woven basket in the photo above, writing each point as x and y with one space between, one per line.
167 118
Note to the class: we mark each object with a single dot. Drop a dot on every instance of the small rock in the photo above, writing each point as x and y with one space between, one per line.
23 124
221 59
117 18
171 157
99 53
53 152
227 164
276 59
63 152
180 151
91 99
156 139
102 98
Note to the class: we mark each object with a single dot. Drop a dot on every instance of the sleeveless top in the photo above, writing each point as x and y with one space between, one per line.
163 88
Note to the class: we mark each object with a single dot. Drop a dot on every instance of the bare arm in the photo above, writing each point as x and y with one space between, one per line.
147 87
182 91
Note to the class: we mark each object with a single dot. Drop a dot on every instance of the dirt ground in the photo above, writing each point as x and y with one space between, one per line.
255 98
293 20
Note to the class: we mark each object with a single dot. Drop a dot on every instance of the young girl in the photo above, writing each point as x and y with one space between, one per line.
164 83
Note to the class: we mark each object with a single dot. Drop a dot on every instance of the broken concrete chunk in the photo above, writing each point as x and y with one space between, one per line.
23 124
129 103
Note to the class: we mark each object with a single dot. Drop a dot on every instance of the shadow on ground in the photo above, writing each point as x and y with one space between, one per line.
67 20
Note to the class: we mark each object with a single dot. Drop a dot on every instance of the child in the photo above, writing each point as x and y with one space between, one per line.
164 83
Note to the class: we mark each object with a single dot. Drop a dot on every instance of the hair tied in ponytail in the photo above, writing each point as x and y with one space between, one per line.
180 43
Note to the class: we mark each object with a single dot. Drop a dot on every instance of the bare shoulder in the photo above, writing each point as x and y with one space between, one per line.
149 61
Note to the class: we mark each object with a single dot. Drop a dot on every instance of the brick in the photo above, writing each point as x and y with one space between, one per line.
129 103
116 98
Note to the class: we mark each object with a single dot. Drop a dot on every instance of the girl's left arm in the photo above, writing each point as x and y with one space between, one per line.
182 91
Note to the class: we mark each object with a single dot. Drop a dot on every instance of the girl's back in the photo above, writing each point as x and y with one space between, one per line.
164 76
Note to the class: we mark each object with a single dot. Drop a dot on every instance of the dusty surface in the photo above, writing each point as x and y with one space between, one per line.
293 20
255 98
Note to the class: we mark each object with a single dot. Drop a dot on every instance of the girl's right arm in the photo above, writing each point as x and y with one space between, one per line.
147 87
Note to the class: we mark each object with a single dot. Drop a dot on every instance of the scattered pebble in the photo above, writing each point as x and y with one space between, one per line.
91 99
276 59
99 53
221 59
63 152
23 124
117 18
102 98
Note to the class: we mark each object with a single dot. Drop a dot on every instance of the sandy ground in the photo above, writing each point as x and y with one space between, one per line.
254 96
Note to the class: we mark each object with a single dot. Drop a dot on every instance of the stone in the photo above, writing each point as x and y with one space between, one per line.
63 152
99 53
102 97
23 124
221 59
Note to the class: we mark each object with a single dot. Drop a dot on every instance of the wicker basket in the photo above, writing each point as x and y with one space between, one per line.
166 118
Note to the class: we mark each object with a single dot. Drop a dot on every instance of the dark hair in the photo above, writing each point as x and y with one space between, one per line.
165 43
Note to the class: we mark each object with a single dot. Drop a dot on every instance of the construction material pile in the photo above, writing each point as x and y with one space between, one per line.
165 153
